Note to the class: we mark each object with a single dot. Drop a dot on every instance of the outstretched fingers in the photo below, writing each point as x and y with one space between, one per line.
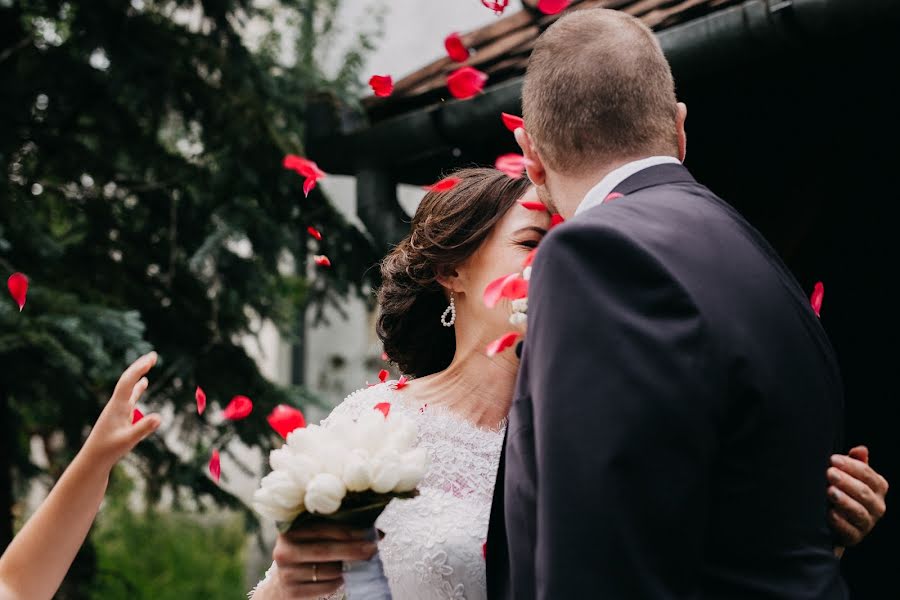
132 374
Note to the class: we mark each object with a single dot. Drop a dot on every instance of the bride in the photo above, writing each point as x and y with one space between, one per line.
433 545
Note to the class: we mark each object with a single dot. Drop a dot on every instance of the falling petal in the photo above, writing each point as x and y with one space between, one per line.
456 50
552 7
322 260
384 356
498 6
384 407
512 122
308 186
494 291
200 396
533 205
215 466
466 82
306 168
18 288
314 232
136 416
511 164
238 408
402 383
484 550
447 183
382 85
613 196
383 375
514 288
303 166
816 299
555 220
285 419
501 344
529 260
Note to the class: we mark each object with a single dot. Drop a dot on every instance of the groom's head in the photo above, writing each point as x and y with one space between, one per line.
598 93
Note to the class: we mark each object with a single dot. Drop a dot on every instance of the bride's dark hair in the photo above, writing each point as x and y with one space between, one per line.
447 229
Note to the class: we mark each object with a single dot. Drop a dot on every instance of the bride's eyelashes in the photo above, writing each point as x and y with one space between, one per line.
530 244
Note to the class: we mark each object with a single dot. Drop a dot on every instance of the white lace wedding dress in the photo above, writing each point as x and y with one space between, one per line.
434 544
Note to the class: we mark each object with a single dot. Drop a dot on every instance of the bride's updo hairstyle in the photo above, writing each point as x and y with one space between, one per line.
447 229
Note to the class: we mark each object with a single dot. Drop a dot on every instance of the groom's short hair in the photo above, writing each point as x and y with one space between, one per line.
598 88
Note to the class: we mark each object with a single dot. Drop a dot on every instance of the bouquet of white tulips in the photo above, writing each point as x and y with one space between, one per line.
348 472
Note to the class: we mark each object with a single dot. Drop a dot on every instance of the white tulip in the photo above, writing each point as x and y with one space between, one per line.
413 466
356 471
401 435
279 497
385 471
324 494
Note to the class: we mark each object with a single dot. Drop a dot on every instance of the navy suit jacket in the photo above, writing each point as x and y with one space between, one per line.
676 408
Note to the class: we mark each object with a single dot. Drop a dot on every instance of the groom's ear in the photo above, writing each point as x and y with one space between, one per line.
681 117
533 164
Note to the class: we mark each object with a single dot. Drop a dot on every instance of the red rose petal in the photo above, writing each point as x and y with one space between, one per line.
322 260
285 419
314 232
511 164
555 220
501 344
402 383
552 7
494 290
382 85
466 82
18 288
306 168
484 550
456 50
384 407
498 6
532 205
613 196
816 299
136 416
384 356
447 183
200 396
383 375
529 260
215 466
515 288
512 122
238 408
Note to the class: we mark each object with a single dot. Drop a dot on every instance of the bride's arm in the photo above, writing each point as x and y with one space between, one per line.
35 563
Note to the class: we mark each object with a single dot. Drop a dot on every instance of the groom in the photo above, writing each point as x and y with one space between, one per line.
673 372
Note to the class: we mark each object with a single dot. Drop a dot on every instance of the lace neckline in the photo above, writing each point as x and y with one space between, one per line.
438 411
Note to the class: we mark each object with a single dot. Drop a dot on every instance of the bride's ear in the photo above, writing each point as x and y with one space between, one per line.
534 166
451 281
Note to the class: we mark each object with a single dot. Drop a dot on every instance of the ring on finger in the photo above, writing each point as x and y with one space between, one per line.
315 569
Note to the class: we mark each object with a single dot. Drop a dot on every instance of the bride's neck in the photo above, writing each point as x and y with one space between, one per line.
476 387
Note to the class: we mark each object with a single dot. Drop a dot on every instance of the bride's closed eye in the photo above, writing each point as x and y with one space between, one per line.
529 237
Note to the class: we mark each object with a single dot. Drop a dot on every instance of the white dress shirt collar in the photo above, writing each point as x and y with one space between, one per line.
599 192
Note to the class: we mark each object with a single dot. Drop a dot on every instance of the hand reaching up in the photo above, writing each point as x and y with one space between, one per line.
114 435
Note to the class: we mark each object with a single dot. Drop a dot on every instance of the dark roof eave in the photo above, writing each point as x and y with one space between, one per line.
700 47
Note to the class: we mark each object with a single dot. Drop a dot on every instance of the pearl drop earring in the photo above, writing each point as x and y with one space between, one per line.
451 311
